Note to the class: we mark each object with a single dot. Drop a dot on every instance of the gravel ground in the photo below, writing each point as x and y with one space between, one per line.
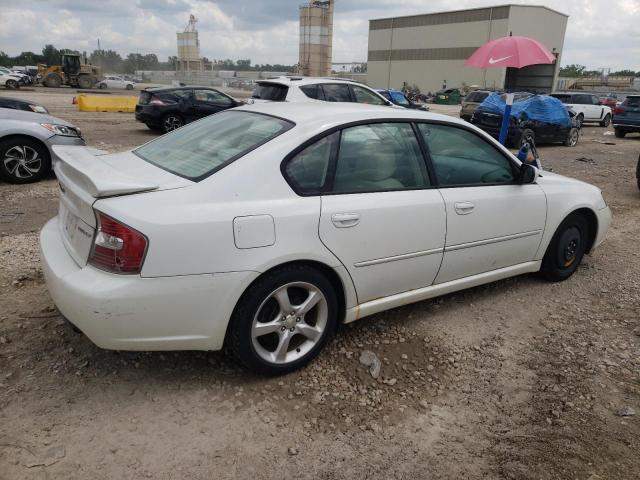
519 379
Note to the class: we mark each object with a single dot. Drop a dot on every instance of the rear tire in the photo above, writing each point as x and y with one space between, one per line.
12 85
155 128
580 120
606 121
572 138
171 122
567 248
265 318
23 160
103 86
638 173
129 87
620 133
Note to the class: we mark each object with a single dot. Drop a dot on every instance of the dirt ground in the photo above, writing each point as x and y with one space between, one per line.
518 379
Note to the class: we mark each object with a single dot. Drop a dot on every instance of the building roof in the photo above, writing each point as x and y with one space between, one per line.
471 10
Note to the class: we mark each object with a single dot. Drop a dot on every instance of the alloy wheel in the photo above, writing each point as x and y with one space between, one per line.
289 323
573 137
22 161
171 123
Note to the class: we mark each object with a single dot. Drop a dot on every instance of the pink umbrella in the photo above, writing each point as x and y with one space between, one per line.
512 51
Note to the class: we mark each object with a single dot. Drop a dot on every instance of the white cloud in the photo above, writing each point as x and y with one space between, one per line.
600 33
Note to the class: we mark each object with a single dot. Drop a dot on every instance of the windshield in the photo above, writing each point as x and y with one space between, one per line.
200 149
476 97
399 98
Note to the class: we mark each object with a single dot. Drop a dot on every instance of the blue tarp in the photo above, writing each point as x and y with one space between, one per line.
538 107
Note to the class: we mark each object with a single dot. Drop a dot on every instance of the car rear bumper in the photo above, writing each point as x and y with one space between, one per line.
129 312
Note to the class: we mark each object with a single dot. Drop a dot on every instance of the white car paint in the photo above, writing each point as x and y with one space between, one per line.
209 240
295 94
590 109
115 81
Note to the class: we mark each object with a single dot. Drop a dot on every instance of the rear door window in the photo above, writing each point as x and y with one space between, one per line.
336 92
379 157
270 91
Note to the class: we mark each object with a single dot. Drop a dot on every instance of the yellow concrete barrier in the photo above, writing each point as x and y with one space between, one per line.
104 103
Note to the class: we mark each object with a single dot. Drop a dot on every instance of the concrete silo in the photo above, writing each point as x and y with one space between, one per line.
316 34
189 48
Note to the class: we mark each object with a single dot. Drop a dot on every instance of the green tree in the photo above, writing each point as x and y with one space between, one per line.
573 70
109 60
362 68
5 60
50 55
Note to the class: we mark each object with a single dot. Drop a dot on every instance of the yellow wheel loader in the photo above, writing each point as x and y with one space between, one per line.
71 72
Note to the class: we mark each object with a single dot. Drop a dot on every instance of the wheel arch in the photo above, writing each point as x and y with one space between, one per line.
334 278
592 223
12 136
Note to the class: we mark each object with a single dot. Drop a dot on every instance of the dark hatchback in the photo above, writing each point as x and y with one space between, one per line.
400 99
626 116
523 129
17 104
166 109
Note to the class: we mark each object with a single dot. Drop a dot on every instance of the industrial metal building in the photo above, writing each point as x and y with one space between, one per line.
430 50
316 33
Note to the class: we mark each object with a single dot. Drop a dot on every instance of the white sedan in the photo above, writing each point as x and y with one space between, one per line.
265 226
114 81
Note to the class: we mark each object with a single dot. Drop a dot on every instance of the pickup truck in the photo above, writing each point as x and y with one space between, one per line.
587 106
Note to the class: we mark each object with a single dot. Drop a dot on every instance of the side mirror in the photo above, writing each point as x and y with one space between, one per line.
528 174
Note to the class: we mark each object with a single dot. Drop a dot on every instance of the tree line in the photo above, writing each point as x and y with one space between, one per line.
112 62
575 70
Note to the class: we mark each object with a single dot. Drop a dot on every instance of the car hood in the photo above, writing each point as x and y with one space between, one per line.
23 115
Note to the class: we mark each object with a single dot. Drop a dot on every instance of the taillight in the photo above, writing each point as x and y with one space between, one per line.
116 247
618 109
156 101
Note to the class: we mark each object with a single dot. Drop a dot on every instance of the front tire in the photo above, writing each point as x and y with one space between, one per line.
23 160
580 120
526 133
606 121
129 87
283 320
85 82
12 84
103 86
567 248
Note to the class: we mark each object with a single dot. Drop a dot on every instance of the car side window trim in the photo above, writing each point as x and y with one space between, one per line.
431 168
334 158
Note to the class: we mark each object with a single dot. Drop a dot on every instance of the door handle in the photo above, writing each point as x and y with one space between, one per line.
344 220
464 208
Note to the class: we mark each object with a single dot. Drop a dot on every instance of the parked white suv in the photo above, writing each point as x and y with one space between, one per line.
587 106
305 89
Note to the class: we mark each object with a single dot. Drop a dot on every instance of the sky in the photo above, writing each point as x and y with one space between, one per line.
600 33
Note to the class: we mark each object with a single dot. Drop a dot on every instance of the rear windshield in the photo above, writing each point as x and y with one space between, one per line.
477 97
270 91
201 148
631 102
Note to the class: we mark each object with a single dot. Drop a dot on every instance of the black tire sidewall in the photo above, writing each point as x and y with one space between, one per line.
550 269
42 151
239 337
606 121
164 118
527 132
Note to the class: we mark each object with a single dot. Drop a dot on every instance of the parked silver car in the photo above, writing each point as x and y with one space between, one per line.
26 139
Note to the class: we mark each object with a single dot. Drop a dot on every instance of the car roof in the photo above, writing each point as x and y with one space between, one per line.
19 100
185 87
330 114
300 80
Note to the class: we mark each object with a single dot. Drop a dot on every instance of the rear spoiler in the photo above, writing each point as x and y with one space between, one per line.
84 167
